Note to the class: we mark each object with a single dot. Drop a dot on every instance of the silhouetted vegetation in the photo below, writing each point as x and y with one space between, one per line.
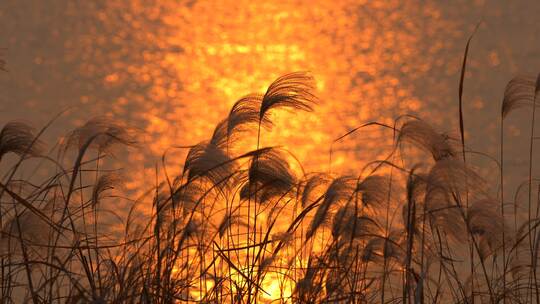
241 225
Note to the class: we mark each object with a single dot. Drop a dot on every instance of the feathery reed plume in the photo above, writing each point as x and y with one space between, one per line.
284 237
194 227
292 90
383 248
447 183
347 224
375 190
245 112
105 182
228 221
100 133
269 176
309 286
25 229
220 137
452 176
341 189
486 223
19 138
519 92
208 160
311 185
420 133
186 197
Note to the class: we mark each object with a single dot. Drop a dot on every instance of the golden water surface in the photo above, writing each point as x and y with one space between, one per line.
173 69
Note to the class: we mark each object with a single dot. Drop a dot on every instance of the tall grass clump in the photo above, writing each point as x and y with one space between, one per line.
239 224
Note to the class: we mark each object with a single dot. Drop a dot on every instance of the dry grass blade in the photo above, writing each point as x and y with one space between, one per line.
230 263
461 82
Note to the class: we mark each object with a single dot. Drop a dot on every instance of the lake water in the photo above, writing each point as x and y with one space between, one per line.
174 68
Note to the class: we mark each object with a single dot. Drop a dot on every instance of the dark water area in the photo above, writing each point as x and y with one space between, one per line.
173 69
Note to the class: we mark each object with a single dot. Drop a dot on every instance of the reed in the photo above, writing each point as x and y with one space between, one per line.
241 226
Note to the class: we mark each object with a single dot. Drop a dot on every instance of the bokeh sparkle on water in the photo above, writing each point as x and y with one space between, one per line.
174 68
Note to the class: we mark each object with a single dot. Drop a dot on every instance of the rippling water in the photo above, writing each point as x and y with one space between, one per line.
173 68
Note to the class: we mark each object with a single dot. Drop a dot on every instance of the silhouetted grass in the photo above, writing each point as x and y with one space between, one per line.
242 226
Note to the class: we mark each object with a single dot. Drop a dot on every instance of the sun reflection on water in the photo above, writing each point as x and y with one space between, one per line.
358 52
175 69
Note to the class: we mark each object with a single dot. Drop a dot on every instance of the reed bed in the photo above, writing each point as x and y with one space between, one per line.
239 225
